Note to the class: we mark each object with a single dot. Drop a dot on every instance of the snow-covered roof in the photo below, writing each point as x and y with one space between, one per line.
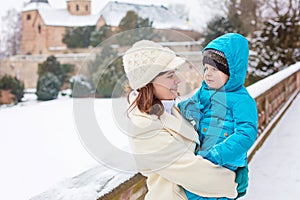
112 13
162 18
61 17
36 6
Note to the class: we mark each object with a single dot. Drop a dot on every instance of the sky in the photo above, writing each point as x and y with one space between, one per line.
96 4
199 10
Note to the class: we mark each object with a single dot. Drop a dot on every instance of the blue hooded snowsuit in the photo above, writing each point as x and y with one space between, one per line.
227 125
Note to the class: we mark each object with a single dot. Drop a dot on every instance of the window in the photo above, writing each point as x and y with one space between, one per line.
86 7
28 17
77 7
39 28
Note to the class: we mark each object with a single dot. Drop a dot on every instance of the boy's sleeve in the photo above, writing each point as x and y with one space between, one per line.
245 133
191 109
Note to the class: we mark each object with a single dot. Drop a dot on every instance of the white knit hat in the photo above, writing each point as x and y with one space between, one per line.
145 60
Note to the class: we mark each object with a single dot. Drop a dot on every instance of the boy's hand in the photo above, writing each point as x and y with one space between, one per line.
208 156
242 179
191 110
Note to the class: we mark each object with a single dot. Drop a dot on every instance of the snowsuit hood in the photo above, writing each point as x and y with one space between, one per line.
236 50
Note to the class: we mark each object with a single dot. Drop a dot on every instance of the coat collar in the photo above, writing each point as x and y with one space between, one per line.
147 125
175 122
178 124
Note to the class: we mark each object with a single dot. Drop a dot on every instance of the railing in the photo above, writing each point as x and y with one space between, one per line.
273 96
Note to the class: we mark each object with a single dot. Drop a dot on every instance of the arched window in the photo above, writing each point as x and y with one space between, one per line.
86 8
77 7
39 28
28 17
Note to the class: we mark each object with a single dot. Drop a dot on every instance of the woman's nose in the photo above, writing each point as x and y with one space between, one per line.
177 79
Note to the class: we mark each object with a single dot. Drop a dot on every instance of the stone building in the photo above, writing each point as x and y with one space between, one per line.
44 26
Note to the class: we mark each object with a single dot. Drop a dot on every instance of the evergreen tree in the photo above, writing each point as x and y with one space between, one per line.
109 77
78 37
133 21
48 87
217 27
105 70
51 65
233 21
14 85
100 35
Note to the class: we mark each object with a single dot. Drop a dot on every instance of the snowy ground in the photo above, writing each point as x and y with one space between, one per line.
275 168
40 151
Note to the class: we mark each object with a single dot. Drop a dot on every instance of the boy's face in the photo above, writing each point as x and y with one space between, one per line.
213 77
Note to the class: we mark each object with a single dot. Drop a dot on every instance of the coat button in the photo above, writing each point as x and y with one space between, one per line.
225 134
204 129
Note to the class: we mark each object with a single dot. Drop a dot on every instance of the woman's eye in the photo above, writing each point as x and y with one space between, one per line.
170 75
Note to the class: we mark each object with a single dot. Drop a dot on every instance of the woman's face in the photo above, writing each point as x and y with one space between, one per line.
166 86
214 78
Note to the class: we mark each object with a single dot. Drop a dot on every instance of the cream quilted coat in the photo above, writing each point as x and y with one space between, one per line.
164 153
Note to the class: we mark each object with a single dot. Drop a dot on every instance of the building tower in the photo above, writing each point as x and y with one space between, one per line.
79 7
33 34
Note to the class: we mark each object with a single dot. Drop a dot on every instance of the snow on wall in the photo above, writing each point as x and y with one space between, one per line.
265 84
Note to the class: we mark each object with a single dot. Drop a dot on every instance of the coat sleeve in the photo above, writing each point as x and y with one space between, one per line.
192 109
165 155
245 133
183 105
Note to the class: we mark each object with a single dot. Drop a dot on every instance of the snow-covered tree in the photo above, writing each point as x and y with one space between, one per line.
180 10
11 35
276 45
81 87
48 87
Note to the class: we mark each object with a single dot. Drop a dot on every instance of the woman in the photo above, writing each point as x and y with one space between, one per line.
162 141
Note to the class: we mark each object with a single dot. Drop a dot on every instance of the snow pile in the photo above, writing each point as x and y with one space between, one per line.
40 149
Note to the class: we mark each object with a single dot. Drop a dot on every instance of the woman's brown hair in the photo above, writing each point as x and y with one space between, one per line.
147 102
